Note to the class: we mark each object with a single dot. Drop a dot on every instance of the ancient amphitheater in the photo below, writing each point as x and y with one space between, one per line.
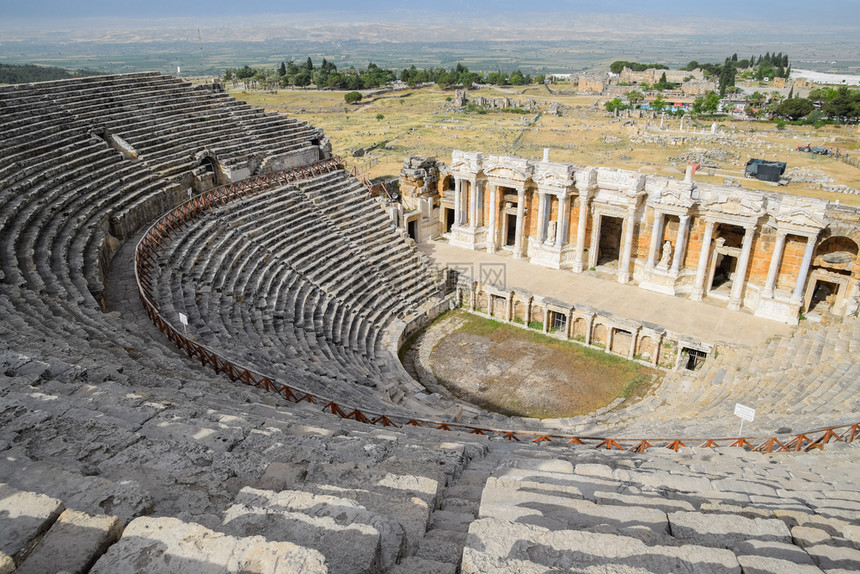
201 317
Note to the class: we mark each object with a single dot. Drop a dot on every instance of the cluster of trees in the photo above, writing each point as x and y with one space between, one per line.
767 66
618 65
328 76
836 104
15 74
305 74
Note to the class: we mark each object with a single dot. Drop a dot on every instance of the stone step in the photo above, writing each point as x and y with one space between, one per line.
352 538
73 544
167 545
496 547
24 517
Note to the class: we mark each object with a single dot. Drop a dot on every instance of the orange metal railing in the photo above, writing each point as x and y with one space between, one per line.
160 233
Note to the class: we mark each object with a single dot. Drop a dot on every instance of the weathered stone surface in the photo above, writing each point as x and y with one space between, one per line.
562 513
663 504
170 546
497 547
725 530
73 544
414 565
23 516
835 559
807 536
664 480
343 511
348 547
442 546
852 532
778 550
7 565
764 565
596 470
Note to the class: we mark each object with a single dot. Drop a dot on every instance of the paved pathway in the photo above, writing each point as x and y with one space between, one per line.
703 321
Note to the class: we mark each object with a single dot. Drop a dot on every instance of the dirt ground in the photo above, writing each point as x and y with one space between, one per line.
422 122
507 369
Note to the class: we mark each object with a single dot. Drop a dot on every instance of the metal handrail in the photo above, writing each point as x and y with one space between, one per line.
159 233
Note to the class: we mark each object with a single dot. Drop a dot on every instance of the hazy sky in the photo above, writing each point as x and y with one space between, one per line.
839 12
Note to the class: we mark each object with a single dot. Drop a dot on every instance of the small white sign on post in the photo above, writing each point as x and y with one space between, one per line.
745 413
183 318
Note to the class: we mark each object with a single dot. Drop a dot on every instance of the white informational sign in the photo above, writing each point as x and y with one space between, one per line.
745 413
183 318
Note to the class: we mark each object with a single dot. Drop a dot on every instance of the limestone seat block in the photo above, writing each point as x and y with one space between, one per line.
171 546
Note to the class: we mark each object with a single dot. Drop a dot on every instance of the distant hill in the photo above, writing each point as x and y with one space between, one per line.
15 74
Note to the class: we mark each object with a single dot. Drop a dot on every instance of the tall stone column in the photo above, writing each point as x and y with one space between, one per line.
797 296
561 225
521 212
491 232
635 337
736 297
541 230
704 256
473 204
681 244
595 240
627 247
656 236
580 233
773 268
458 201
545 319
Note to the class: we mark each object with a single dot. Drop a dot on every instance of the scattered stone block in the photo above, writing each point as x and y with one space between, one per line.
805 536
73 544
23 517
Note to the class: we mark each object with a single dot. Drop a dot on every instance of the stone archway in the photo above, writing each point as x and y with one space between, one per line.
831 275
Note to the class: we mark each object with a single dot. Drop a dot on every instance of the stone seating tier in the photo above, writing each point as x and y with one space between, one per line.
282 226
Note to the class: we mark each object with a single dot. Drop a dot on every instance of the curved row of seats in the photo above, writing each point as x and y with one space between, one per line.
299 281
165 120
805 381
100 416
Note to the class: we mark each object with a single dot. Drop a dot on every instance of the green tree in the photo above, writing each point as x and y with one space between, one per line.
845 106
379 117
635 97
282 71
614 104
795 108
757 99
352 97
658 103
